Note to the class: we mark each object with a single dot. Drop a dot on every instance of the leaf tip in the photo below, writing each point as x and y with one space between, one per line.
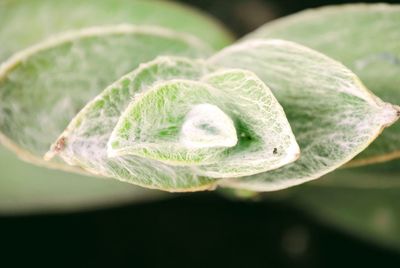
391 114
55 149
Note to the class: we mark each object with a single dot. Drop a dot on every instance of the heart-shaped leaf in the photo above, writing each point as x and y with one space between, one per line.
334 117
365 38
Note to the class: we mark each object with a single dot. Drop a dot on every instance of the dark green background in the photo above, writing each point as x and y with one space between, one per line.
192 230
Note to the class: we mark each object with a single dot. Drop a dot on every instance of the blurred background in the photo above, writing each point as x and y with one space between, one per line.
199 229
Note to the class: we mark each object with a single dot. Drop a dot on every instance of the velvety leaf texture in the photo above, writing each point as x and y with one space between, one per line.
132 130
30 119
366 38
334 117
157 107
42 88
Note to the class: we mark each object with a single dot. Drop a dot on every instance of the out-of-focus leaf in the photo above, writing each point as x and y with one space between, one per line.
24 23
27 189
333 116
372 214
380 176
366 38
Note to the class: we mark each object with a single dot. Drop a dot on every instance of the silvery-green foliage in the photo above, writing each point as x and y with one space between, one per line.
333 116
158 108
44 86
30 189
136 130
365 38
24 23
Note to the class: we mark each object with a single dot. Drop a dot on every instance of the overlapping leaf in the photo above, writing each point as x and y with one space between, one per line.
366 38
334 117
42 88
132 131
184 124
27 189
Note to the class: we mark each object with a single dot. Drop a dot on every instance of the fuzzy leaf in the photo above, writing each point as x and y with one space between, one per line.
27 189
150 127
334 117
85 139
43 87
144 141
365 38
265 140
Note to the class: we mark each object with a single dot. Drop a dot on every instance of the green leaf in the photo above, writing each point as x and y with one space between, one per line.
27 189
372 214
24 23
42 88
380 176
333 116
361 200
151 126
265 138
178 124
365 38
84 142
140 142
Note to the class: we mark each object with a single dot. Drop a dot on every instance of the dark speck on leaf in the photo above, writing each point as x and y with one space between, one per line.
60 145
275 151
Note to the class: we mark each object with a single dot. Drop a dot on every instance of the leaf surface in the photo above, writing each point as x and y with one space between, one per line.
333 116
365 38
85 139
132 130
25 23
42 88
